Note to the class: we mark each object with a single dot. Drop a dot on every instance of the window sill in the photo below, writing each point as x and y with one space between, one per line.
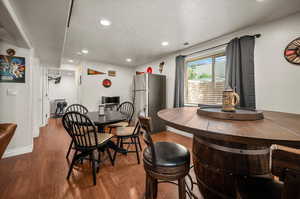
190 105
203 105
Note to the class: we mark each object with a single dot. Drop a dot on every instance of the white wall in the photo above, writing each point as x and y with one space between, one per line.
66 89
169 71
91 89
276 80
45 97
36 96
17 109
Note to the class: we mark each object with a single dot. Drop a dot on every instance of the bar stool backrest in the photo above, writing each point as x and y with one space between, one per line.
146 126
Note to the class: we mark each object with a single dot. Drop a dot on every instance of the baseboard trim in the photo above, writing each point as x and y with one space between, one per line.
36 131
18 151
180 132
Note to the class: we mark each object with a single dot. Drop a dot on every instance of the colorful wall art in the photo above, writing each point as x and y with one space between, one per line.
106 83
292 52
161 67
12 69
112 73
94 72
139 73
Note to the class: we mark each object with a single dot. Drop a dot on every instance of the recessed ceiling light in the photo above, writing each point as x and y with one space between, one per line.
71 60
129 60
105 22
164 43
85 51
260 0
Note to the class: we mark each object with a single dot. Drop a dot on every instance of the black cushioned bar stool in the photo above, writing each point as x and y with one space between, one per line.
163 161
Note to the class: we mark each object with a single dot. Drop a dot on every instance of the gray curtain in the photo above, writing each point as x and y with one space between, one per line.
179 82
240 69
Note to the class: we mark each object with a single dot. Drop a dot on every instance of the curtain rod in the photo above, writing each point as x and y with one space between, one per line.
256 36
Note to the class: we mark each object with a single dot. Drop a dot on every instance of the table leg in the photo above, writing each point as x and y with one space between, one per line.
100 129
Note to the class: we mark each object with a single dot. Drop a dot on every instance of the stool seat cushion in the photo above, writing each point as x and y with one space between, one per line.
168 154
260 187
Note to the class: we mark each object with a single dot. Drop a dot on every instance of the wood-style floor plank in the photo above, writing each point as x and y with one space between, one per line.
42 173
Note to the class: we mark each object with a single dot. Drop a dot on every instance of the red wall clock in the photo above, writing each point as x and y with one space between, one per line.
106 83
292 52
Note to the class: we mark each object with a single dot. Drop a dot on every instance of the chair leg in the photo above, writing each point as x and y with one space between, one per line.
154 185
94 167
69 150
136 150
99 155
115 153
149 187
122 144
99 160
181 188
138 138
132 140
110 158
72 165
130 143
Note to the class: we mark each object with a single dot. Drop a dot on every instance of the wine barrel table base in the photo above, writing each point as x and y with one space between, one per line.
217 165
224 150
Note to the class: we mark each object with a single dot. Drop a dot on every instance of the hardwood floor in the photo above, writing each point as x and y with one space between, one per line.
42 173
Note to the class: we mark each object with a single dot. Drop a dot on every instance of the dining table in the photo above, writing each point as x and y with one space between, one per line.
109 117
224 150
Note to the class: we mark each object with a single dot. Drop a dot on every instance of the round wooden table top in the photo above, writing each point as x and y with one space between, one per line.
275 128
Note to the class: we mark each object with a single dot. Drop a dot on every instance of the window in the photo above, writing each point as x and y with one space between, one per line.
205 80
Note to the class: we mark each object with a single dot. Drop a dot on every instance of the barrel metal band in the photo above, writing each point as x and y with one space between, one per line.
235 150
222 195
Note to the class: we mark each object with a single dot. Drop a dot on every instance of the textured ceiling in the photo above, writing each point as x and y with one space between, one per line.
9 30
139 26
44 22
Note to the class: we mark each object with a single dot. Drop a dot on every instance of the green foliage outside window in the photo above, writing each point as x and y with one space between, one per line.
193 75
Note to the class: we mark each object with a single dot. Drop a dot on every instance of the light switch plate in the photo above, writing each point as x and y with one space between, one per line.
12 92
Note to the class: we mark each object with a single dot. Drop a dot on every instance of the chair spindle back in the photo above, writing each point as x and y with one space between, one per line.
77 108
127 109
81 129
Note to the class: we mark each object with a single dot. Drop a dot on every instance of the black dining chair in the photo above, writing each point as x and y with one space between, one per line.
163 162
86 140
75 108
126 108
129 136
